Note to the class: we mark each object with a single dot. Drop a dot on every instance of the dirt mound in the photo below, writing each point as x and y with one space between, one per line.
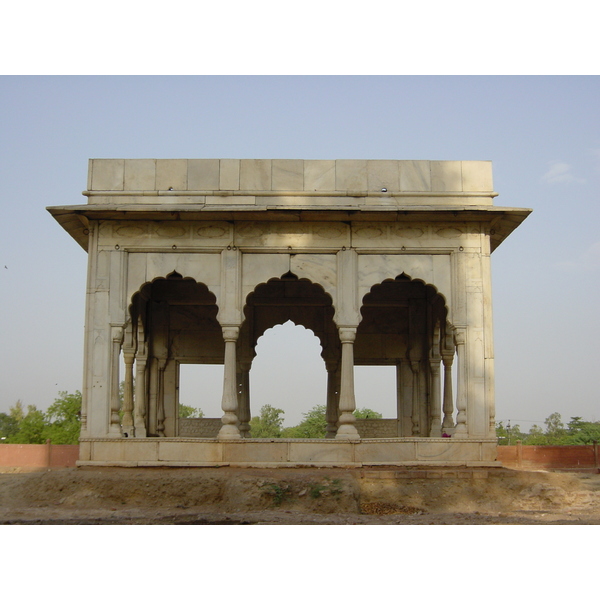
228 495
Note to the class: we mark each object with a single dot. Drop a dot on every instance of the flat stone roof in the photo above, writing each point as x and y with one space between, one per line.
290 190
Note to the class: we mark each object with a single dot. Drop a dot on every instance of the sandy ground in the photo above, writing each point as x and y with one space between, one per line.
298 496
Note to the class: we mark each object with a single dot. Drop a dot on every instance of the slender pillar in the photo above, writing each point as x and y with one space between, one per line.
416 396
399 399
243 398
114 429
127 425
346 429
460 430
160 398
333 398
448 422
229 430
141 359
436 421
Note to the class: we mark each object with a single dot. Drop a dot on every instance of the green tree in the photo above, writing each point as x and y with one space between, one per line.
32 428
268 423
366 413
189 412
314 425
555 429
64 419
508 434
581 432
9 427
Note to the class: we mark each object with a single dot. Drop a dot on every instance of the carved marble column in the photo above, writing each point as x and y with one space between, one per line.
416 397
160 398
436 421
141 359
127 425
435 429
460 430
114 429
346 429
448 422
229 429
243 398
333 387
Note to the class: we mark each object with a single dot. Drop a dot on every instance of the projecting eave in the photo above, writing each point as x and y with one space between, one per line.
75 219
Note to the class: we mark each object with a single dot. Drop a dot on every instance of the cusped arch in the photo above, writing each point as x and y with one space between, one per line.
290 298
402 317
403 277
196 290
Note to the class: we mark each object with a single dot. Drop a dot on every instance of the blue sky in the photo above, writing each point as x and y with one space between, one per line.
542 134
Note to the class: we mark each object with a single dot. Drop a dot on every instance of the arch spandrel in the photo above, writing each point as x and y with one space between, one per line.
147 266
432 270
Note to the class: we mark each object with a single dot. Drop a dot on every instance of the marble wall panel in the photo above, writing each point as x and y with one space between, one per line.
287 175
382 452
477 176
107 175
318 268
171 173
383 174
415 176
319 175
255 174
251 453
446 450
315 452
293 236
373 269
350 175
446 176
190 452
140 174
259 268
229 176
203 174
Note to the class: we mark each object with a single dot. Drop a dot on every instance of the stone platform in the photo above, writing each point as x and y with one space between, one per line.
272 453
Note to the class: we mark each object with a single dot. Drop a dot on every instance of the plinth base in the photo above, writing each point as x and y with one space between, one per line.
194 452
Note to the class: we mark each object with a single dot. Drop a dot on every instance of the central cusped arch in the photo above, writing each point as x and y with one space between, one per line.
283 299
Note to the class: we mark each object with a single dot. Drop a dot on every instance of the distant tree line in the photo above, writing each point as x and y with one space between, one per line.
269 423
61 424
575 433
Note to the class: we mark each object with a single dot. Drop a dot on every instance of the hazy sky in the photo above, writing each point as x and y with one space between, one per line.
542 134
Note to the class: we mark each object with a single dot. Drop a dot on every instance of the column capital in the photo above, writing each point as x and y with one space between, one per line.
116 332
347 335
460 335
230 333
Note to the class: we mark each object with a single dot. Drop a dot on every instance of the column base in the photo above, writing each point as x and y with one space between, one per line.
229 432
347 432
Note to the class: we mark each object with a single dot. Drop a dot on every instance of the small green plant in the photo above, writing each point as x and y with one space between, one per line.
278 492
333 487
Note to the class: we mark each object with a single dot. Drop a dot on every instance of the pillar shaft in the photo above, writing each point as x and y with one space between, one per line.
460 431
114 428
229 429
243 399
346 429
448 422
436 421
127 424
333 387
